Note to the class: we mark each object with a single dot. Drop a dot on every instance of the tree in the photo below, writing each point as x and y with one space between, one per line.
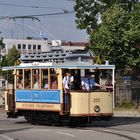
10 60
88 12
12 56
117 37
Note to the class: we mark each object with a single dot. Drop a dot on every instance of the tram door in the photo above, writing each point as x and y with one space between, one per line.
71 81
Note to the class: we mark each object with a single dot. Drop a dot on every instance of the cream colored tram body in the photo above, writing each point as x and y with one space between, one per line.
50 104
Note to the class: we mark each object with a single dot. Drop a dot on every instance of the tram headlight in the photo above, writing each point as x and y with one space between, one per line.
97 108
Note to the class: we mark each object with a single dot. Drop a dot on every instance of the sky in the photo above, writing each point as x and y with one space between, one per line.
60 27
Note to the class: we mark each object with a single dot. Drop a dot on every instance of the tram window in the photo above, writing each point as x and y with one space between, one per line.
3 83
27 78
44 78
106 76
19 77
53 79
53 82
77 79
35 76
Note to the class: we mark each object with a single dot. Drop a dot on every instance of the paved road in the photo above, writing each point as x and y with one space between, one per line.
119 128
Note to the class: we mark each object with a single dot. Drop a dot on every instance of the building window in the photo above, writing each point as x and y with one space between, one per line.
29 47
39 47
4 46
24 46
34 47
19 47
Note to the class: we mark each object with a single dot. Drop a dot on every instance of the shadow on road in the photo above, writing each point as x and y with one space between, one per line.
115 121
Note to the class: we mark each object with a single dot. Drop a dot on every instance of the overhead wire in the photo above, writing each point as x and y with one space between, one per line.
29 6
35 16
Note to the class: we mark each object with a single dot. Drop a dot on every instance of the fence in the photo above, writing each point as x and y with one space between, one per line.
128 89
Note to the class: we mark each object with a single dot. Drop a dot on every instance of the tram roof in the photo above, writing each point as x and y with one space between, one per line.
68 65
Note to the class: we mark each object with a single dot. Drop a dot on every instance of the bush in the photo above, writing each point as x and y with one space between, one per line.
126 104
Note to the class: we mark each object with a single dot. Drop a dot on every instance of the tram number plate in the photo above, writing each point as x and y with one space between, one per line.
96 100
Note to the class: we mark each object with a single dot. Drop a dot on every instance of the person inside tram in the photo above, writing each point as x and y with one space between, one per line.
67 82
20 84
108 85
36 84
54 83
46 84
88 83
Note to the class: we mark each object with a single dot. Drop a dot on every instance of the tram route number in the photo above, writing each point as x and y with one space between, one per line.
96 100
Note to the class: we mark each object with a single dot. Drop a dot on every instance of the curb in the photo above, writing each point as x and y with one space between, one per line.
126 114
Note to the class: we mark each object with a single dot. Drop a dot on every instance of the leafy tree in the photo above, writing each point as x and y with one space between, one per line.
10 60
117 37
12 56
132 37
89 11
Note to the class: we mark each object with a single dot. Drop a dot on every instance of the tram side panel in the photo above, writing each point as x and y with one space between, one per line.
38 100
79 104
91 104
101 104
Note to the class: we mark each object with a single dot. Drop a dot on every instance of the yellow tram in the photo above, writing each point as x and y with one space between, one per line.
47 99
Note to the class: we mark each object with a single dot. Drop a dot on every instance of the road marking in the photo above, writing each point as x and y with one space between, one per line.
85 130
6 137
67 134
42 130
107 130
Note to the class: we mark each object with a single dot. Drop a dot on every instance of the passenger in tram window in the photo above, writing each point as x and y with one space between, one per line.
89 83
36 84
68 82
27 83
54 83
108 85
20 84
46 84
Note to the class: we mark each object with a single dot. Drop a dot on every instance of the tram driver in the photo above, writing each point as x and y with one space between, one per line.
89 83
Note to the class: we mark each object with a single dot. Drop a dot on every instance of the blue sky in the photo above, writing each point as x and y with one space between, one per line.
61 27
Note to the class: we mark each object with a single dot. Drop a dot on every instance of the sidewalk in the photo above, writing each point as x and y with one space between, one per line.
126 113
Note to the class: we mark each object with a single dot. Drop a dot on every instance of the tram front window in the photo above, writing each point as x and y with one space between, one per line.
27 78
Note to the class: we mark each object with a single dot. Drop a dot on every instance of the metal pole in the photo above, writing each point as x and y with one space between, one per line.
113 81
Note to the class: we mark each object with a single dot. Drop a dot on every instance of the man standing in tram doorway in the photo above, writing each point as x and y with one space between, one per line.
67 85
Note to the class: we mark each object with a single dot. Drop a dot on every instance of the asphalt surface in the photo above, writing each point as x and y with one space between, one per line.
126 127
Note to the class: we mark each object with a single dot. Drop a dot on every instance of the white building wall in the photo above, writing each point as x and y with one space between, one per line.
9 43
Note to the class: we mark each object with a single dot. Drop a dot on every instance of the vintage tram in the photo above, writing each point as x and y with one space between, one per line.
38 103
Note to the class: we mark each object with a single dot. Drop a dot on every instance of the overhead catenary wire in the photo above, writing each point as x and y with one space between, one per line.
61 11
36 15
34 7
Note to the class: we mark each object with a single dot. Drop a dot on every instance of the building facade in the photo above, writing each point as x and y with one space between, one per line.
24 46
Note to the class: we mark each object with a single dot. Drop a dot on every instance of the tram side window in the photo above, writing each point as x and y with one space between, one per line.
106 76
36 80
44 79
19 78
27 78
53 79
